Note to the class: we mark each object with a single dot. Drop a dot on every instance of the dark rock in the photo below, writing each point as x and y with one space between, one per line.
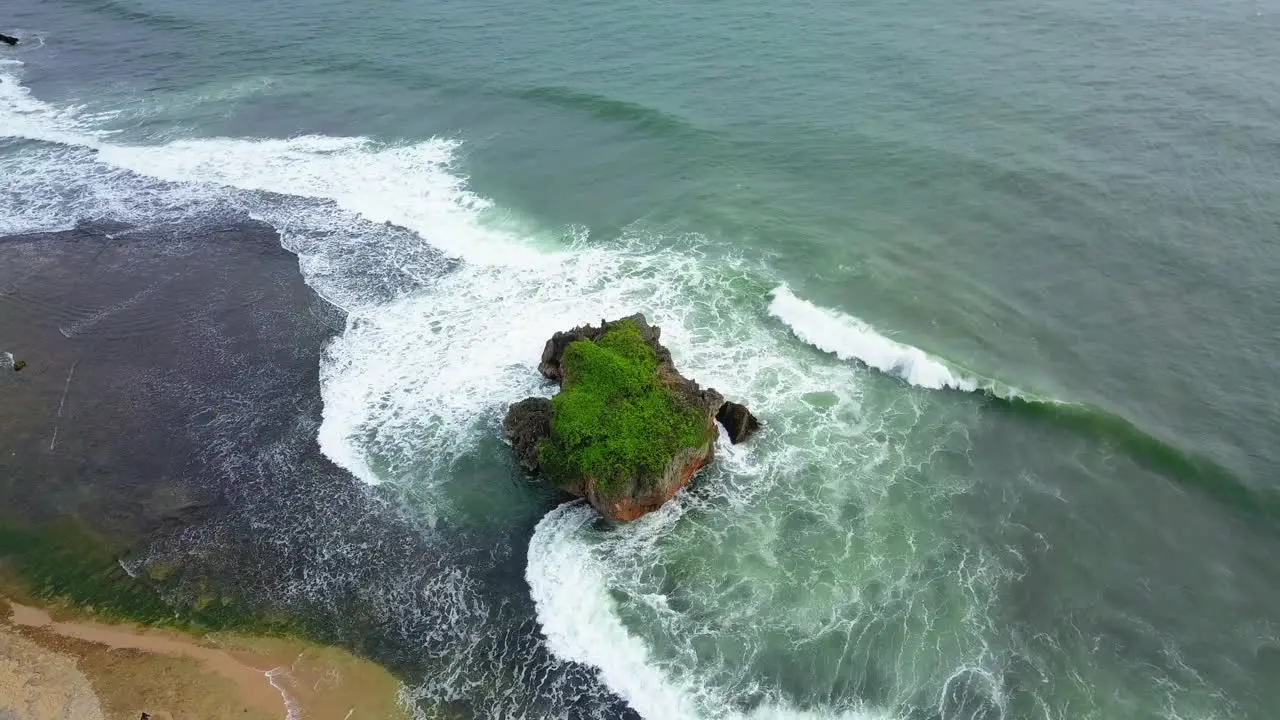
8 39
738 420
18 365
526 425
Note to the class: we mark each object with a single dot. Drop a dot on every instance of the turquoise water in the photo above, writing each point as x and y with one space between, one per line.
998 277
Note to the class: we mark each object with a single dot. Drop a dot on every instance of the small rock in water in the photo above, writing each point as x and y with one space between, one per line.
738 420
8 39
527 423
18 365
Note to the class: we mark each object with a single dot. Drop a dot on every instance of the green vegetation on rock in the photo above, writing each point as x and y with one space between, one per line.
613 420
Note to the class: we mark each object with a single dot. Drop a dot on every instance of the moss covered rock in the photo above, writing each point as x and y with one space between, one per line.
627 430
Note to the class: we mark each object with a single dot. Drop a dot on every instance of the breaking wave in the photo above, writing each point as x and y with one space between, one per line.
448 297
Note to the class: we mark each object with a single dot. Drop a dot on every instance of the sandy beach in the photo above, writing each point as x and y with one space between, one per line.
55 668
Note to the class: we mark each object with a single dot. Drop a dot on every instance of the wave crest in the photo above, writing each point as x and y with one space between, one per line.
849 338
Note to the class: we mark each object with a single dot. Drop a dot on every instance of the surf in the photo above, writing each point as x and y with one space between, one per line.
415 383
854 340
391 234
850 338
448 303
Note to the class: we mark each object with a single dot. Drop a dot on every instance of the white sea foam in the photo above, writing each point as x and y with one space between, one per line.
849 338
580 622
24 116
412 185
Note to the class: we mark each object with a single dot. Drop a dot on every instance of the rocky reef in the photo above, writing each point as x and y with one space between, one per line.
627 430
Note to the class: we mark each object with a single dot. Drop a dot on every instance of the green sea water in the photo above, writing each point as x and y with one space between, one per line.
998 278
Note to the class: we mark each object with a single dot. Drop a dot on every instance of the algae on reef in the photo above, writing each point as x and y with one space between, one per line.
63 562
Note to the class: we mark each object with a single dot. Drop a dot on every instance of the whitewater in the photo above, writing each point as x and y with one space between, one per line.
449 298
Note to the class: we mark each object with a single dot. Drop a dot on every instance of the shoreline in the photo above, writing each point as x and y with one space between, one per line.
57 663
168 407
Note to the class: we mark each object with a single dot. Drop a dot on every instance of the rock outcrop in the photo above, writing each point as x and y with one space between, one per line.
738 421
526 425
627 430
8 39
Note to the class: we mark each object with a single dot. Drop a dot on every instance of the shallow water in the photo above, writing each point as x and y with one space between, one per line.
997 277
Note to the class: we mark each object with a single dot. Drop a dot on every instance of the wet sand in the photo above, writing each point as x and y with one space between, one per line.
41 684
57 668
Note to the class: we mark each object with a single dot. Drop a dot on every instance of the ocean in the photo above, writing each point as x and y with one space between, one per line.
998 278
